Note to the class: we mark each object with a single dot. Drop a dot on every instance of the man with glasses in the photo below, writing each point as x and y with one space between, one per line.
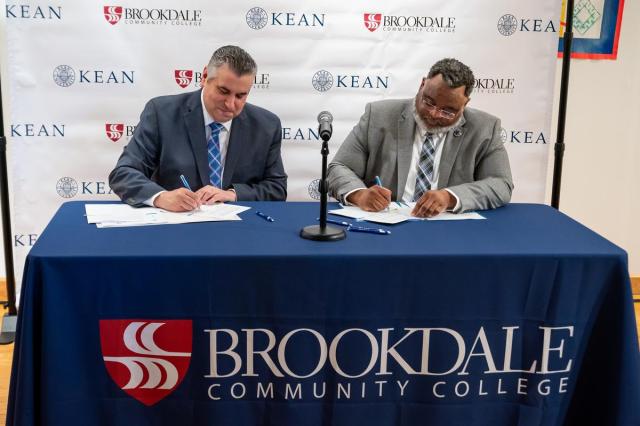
430 149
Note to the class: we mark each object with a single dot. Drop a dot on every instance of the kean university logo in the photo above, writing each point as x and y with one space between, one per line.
67 187
322 81
112 14
372 21
146 359
314 189
257 18
64 75
507 25
183 77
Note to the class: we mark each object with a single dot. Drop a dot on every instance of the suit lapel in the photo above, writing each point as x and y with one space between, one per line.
406 130
452 143
234 147
193 118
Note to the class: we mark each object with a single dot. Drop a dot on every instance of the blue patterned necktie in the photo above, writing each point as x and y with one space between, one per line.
215 161
425 167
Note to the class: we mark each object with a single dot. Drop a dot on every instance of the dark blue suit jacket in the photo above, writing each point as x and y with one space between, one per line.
170 140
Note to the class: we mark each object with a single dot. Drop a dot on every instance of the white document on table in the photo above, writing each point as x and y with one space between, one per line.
398 212
119 215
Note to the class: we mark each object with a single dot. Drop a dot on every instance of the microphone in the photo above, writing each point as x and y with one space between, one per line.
325 129
323 232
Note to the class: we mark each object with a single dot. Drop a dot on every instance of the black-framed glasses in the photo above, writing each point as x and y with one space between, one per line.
443 112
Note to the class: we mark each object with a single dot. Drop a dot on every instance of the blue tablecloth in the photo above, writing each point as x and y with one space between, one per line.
524 318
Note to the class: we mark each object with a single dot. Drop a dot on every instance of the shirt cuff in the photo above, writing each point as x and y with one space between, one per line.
456 208
149 201
344 198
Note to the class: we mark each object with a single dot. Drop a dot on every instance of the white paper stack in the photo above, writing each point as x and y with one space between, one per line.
398 212
118 215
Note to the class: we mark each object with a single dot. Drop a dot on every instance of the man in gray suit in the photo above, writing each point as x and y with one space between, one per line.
430 149
225 148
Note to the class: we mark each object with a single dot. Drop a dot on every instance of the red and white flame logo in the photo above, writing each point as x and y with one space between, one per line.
372 21
146 359
114 131
112 14
183 77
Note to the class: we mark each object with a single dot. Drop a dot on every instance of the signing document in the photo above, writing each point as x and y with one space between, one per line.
118 215
398 212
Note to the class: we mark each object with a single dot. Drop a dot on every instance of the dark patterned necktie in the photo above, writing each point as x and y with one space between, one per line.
215 161
425 167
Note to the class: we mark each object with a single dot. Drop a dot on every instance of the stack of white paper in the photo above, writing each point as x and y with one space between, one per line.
118 215
398 212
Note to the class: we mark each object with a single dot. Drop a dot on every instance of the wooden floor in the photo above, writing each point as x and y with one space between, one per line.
6 352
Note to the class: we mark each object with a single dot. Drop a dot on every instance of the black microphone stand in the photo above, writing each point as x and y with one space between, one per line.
562 110
323 232
8 331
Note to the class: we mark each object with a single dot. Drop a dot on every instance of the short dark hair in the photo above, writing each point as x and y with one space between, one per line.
454 73
238 60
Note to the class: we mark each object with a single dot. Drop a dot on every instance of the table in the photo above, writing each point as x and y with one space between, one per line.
524 318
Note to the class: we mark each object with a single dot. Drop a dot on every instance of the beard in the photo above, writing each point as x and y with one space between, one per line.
442 129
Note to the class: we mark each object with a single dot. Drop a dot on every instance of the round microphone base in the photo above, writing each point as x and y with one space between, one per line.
328 233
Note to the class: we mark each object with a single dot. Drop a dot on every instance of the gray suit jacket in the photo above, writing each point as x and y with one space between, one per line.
170 140
474 164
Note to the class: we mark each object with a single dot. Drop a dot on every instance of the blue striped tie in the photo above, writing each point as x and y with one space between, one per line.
425 167
215 161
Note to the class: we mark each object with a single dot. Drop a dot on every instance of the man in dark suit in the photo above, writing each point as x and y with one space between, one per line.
430 149
226 149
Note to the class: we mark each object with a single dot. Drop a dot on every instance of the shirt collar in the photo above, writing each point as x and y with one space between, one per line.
208 119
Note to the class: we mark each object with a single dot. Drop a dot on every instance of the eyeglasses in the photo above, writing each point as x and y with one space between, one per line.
443 112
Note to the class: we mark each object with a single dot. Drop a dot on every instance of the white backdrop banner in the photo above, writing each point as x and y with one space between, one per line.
76 75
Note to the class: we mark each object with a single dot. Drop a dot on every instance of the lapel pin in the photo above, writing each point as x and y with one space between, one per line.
457 132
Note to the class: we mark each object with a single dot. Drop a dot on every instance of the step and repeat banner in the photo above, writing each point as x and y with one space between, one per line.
76 75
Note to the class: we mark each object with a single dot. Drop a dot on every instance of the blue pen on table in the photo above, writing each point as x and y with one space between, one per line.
265 217
185 183
337 222
369 230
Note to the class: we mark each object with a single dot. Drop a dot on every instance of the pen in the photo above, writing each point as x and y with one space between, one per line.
265 217
369 230
185 183
337 222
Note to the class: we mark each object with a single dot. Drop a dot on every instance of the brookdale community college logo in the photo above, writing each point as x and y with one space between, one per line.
114 131
507 25
67 187
112 14
314 189
409 23
64 75
183 77
146 359
322 81
372 21
257 18
144 16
